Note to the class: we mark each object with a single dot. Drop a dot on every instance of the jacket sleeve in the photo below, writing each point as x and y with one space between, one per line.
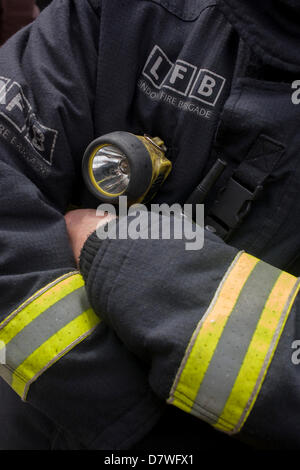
219 329
55 353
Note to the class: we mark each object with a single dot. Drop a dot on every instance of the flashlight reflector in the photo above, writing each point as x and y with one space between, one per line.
111 170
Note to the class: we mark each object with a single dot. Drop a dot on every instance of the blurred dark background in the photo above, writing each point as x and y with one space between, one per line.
14 14
43 3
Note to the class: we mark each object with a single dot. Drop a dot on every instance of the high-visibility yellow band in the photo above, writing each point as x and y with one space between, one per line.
230 352
38 303
254 369
52 350
209 331
43 329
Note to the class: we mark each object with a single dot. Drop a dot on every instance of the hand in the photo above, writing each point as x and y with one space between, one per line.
81 224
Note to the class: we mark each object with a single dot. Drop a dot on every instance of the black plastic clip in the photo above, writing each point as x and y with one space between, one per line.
233 204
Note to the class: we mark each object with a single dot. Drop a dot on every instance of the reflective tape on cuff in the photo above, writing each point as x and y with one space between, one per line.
230 351
43 329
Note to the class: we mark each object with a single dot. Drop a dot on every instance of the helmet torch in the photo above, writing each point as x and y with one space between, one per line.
124 164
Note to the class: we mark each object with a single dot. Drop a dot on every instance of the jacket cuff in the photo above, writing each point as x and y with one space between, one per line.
88 253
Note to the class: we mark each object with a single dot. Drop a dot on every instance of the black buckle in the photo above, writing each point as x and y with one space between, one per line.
233 204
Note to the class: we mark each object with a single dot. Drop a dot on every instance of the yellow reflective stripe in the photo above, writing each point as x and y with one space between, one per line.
182 405
43 329
232 348
204 342
37 304
259 354
52 350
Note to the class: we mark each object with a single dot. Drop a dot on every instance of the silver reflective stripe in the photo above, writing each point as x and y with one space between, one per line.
5 373
44 326
231 350
234 342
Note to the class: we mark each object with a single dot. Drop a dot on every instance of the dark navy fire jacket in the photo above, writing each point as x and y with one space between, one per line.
91 360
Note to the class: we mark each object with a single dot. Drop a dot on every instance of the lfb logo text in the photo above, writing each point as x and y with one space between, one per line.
183 78
17 111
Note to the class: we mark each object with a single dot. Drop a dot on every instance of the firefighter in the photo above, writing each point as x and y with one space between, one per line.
92 358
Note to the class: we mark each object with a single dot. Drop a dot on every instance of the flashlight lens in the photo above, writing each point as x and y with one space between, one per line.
111 170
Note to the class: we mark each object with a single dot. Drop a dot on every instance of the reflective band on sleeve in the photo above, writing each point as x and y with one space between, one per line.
231 349
43 329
